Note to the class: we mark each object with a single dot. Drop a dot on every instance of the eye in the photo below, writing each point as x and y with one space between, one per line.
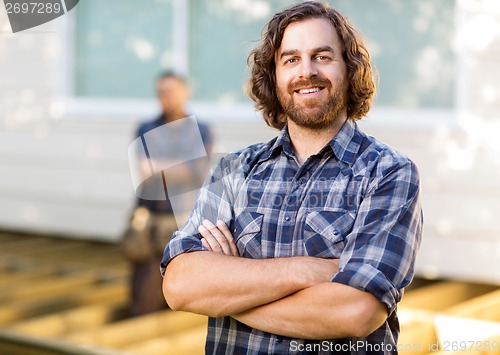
291 61
322 58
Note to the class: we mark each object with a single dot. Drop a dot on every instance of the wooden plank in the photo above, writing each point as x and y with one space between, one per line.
61 255
90 254
189 342
121 334
443 295
10 278
52 250
470 327
455 299
116 265
416 338
485 307
22 245
6 237
51 286
24 273
66 299
61 324
417 330
18 344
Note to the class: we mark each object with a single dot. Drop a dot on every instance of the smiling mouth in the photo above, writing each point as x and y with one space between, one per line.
309 90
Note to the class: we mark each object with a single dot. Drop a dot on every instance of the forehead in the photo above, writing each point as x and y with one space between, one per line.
169 82
309 34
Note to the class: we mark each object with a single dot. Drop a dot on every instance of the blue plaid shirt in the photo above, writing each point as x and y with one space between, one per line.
356 200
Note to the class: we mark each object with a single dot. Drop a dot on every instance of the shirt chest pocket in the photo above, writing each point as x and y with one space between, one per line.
325 232
248 234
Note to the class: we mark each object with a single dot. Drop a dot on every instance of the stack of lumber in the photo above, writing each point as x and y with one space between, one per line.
69 297
451 317
62 296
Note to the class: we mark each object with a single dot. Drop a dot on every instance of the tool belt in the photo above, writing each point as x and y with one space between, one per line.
147 234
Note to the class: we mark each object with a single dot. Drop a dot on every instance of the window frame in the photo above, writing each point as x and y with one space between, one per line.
66 104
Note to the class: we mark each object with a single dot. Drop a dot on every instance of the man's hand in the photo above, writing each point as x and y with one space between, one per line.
218 238
282 316
250 282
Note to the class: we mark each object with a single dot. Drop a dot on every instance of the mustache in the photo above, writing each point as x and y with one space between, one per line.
307 83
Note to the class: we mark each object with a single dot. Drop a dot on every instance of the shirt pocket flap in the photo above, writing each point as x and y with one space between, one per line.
325 232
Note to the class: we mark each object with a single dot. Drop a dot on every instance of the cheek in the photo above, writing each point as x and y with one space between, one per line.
282 83
282 78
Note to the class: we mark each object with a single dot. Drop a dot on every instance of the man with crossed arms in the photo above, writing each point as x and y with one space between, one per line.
304 244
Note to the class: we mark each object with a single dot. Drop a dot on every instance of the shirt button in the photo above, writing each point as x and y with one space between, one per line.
335 232
287 218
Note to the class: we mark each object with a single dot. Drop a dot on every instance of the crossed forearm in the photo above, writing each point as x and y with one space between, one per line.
219 285
288 296
324 311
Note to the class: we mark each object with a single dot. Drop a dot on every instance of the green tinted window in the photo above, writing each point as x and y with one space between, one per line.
222 34
120 46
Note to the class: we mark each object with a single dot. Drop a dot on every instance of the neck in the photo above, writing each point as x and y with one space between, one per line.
174 116
308 141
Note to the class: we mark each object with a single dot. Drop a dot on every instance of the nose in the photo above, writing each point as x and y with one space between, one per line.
307 68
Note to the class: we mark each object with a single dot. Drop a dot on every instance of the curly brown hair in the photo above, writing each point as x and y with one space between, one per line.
261 87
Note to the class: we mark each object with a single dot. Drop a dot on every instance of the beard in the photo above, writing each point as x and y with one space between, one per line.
314 113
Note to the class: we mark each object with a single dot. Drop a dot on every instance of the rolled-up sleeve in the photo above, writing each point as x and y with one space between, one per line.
380 252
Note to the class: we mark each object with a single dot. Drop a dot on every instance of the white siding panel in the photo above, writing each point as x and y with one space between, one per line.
453 214
59 183
47 144
68 177
476 260
72 219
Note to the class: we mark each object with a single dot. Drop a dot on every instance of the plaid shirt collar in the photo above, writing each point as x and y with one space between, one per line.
345 145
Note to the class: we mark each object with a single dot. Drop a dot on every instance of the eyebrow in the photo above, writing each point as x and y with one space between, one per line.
291 52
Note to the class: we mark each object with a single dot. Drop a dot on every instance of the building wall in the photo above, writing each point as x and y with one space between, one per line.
65 172
462 170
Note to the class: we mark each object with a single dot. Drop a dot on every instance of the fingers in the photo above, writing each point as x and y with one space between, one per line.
227 233
218 238
205 244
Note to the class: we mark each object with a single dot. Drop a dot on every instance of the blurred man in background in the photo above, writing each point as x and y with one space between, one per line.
166 170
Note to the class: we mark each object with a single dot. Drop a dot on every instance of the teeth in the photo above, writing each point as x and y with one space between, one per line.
308 91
